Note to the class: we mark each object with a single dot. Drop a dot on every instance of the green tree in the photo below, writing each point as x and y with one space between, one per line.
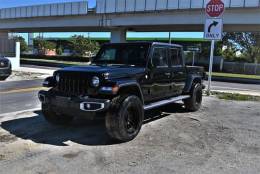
59 50
229 53
42 45
205 50
23 44
248 43
81 45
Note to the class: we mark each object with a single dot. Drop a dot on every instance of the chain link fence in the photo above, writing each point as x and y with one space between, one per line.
241 68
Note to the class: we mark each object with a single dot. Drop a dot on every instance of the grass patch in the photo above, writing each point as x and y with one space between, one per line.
236 97
243 76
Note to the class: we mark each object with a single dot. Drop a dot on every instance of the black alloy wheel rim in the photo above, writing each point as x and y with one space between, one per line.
198 96
131 120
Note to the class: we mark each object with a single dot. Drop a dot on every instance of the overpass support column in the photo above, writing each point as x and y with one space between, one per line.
118 36
30 40
3 40
3 34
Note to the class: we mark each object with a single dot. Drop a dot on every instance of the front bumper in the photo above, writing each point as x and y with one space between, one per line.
73 105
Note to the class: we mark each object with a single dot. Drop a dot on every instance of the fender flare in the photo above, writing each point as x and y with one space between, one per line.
190 80
131 83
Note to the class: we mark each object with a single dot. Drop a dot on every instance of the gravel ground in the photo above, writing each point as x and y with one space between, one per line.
17 75
223 137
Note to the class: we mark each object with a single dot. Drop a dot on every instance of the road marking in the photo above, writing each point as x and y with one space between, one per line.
23 90
229 88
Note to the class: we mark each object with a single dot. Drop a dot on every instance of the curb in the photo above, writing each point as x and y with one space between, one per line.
235 80
253 94
20 112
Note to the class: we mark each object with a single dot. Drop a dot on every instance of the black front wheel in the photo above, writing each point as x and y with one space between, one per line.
194 102
3 77
125 118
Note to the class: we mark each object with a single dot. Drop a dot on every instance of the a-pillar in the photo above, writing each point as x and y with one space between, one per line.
118 36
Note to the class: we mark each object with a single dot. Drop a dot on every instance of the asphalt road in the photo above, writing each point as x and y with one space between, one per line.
22 95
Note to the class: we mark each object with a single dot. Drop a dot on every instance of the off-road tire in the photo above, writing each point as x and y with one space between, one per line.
124 118
193 103
55 118
3 78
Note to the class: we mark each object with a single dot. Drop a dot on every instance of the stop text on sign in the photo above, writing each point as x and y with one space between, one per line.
215 8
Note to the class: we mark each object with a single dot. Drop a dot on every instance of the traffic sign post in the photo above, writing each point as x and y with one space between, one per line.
211 65
213 30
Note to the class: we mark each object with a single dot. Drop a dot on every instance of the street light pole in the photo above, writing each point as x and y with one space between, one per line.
170 38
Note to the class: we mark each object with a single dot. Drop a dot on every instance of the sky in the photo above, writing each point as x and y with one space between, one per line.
92 3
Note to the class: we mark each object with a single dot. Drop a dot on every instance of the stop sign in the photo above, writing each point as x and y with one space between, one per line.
215 8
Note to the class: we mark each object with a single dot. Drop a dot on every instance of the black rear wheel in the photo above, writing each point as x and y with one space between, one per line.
194 102
54 117
125 118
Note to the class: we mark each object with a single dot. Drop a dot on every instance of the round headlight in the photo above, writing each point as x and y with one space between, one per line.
95 81
2 64
57 77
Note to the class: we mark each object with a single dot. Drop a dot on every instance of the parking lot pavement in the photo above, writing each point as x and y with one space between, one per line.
223 137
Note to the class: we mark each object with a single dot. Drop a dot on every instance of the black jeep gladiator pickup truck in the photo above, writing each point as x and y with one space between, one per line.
123 81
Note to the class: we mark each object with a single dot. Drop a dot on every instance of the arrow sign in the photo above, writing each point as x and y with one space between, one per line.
215 23
213 29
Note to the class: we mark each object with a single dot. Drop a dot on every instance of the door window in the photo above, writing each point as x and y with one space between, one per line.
175 56
159 58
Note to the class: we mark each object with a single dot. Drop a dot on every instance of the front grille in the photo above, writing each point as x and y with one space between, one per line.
73 84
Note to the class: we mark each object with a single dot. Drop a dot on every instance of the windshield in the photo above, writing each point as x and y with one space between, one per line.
123 54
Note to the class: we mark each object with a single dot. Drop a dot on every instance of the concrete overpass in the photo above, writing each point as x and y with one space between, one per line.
119 16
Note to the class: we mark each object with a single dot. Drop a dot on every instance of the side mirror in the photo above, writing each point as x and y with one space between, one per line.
49 82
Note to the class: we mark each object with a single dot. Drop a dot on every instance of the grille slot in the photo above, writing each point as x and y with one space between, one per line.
73 84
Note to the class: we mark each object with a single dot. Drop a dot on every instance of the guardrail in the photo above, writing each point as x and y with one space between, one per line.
56 9
121 6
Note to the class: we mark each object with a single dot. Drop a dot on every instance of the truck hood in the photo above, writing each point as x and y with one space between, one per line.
110 71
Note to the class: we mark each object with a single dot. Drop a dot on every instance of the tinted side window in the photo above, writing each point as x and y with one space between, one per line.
159 58
175 57
108 55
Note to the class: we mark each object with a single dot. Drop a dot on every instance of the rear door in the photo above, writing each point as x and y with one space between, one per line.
178 70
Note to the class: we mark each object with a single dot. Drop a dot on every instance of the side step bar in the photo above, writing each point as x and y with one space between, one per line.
165 102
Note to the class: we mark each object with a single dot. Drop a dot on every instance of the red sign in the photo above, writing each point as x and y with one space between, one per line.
215 8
